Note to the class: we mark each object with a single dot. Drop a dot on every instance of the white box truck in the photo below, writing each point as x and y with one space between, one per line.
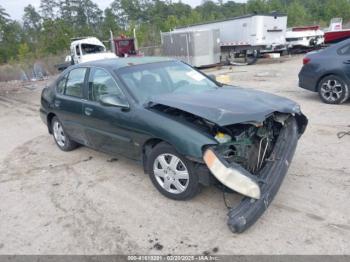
243 38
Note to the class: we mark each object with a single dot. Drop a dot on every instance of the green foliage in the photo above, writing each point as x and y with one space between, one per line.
259 6
109 23
49 30
24 53
11 35
297 14
4 17
49 9
55 36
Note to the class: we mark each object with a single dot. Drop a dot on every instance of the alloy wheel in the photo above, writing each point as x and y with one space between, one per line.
331 90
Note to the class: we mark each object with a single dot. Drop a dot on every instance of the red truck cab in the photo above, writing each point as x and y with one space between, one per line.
124 46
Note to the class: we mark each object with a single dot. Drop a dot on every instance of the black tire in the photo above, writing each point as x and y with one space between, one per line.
192 187
68 144
333 89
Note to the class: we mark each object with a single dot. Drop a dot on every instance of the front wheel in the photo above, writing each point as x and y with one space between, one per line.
333 90
172 174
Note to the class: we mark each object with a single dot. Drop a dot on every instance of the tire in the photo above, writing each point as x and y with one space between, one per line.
333 90
61 138
165 176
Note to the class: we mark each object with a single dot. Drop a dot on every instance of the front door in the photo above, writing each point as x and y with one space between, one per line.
344 54
106 127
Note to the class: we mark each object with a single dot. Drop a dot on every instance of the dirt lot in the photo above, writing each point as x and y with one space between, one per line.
85 202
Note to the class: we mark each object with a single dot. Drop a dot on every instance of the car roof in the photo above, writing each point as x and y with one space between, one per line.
116 63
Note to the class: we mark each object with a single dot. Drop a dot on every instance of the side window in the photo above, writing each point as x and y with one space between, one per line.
61 84
75 82
345 50
102 83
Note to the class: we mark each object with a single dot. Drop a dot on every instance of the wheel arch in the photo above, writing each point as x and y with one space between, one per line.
147 148
50 116
187 151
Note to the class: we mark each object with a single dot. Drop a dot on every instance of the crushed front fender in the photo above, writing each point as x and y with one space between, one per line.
249 210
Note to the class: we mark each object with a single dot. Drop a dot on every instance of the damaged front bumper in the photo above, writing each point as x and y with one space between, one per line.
259 190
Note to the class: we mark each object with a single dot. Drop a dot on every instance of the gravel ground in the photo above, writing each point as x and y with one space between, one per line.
86 202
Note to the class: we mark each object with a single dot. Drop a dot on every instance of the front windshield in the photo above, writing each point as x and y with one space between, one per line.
147 80
92 49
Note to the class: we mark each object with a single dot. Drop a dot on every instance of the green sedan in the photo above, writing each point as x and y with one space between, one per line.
185 128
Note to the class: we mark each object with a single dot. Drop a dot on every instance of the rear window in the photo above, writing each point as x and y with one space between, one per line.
124 43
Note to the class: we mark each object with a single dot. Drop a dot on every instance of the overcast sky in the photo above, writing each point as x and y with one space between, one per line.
15 7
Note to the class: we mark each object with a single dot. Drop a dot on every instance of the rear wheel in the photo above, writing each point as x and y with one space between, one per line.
172 174
333 90
61 138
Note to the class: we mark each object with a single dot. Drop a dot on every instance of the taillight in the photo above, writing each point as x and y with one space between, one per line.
306 60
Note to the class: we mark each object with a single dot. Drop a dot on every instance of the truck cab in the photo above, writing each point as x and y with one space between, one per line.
88 49
85 49
124 46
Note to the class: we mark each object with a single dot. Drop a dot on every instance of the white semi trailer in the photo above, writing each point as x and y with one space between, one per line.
243 38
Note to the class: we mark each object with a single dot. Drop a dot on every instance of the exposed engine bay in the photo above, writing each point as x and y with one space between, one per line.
247 144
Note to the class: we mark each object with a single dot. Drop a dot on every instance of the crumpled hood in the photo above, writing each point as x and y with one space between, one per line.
228 105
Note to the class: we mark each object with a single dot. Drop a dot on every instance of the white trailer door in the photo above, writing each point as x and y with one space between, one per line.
270 30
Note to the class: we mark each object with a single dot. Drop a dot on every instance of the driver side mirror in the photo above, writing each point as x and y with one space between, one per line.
114 100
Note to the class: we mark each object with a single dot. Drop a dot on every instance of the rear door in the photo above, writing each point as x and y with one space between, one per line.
68 102
107 127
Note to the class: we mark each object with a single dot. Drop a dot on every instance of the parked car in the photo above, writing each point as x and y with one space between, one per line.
327 72
185 128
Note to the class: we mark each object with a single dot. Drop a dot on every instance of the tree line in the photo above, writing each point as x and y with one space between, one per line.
48 29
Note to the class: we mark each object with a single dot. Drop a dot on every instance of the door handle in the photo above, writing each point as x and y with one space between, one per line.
88 111
57 103
347 62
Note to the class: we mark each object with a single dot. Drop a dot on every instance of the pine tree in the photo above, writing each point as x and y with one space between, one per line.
48 9
31 19
4 17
